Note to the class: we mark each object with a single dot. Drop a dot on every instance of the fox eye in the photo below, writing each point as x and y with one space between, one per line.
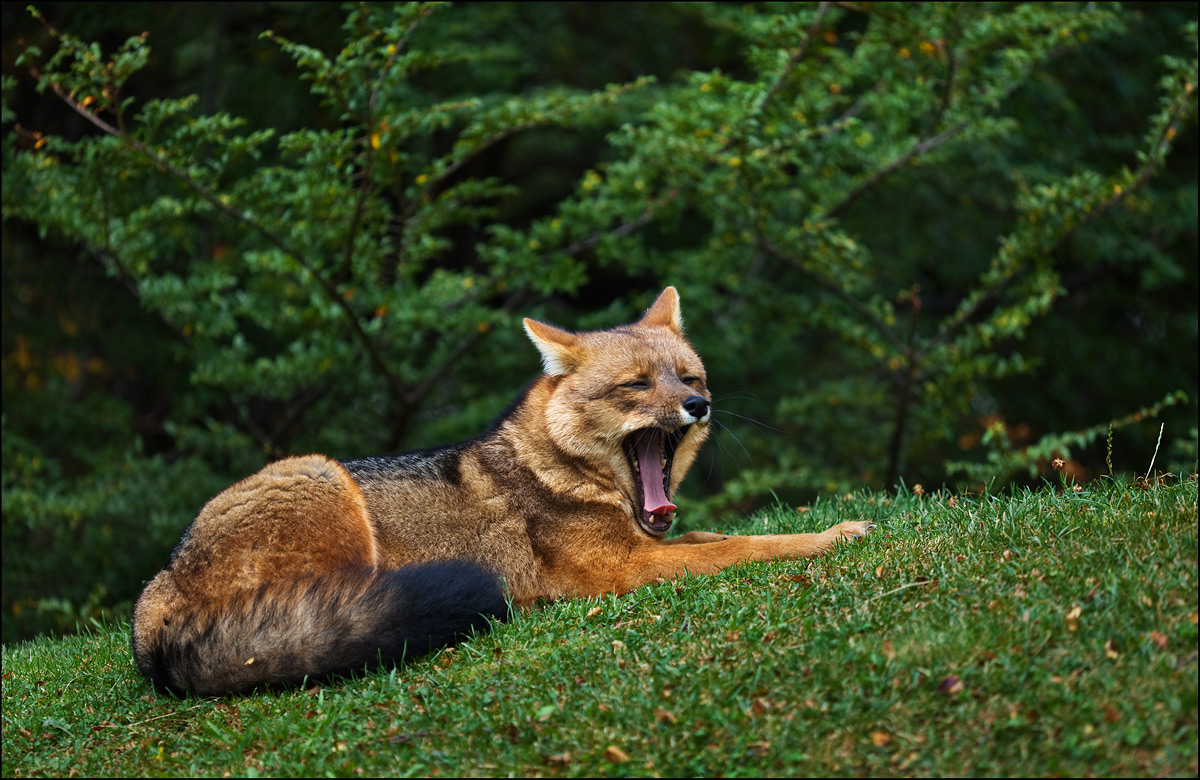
690 380
637 384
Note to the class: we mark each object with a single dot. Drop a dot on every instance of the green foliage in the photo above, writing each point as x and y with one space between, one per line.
95 523
994 636
1004 460
894 227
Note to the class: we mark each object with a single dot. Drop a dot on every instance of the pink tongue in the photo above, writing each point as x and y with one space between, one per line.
649 446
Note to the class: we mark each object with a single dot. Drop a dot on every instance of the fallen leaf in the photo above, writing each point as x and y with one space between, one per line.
951 685
880 738
760 748
1073 618
1110 649
1159 639
595 611
888 649
665 716
1111 715
560 758
615 754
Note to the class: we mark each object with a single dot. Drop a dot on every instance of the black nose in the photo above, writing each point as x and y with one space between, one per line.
696 406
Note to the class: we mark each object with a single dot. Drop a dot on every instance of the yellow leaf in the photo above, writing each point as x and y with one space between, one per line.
1073 618
615 754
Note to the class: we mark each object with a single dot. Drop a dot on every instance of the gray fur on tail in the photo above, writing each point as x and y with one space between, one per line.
334 623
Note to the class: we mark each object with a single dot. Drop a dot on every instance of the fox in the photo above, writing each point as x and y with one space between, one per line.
315 567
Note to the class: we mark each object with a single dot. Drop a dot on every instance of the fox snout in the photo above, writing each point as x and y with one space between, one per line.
697 408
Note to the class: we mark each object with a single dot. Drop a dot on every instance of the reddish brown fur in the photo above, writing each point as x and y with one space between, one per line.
547 501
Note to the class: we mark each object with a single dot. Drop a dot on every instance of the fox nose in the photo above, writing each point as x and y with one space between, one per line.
696 406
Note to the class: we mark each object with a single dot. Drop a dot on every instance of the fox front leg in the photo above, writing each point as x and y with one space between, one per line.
702 552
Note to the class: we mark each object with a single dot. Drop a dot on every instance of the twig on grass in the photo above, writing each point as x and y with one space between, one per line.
902 587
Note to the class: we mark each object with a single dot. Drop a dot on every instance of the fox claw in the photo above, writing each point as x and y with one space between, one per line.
856 529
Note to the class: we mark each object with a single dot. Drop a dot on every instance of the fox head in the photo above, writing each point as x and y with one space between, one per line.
634 398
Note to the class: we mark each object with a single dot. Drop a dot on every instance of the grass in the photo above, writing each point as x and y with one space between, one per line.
1042 633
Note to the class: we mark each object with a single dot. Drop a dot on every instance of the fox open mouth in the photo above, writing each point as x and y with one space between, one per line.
651 452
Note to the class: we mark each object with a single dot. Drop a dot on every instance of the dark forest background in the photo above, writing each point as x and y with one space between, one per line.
938 244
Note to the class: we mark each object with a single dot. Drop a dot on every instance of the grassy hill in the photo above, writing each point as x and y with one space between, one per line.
1051 632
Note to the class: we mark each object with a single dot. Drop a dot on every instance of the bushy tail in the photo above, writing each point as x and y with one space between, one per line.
334 623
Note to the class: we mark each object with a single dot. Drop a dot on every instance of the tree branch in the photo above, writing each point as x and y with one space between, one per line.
794 59
370 123
917 150
1154 159
397 388
868 316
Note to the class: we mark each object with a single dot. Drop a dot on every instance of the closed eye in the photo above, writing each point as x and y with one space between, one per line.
637 384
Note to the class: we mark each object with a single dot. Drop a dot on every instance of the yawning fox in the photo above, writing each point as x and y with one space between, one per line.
314 566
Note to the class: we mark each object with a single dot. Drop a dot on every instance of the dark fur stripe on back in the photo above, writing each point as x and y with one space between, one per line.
430 463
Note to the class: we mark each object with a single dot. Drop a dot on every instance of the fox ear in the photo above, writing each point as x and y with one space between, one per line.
664 312
557 347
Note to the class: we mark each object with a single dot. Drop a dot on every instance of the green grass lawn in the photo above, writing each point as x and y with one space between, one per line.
1042 633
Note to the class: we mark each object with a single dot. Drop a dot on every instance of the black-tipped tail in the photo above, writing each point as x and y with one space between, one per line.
335 623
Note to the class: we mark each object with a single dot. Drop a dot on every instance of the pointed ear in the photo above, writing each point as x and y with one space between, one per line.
557 347
664 312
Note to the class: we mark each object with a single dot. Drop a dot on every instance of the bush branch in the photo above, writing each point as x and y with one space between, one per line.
395 385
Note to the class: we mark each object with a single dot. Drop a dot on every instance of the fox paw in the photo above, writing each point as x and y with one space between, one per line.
854 529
